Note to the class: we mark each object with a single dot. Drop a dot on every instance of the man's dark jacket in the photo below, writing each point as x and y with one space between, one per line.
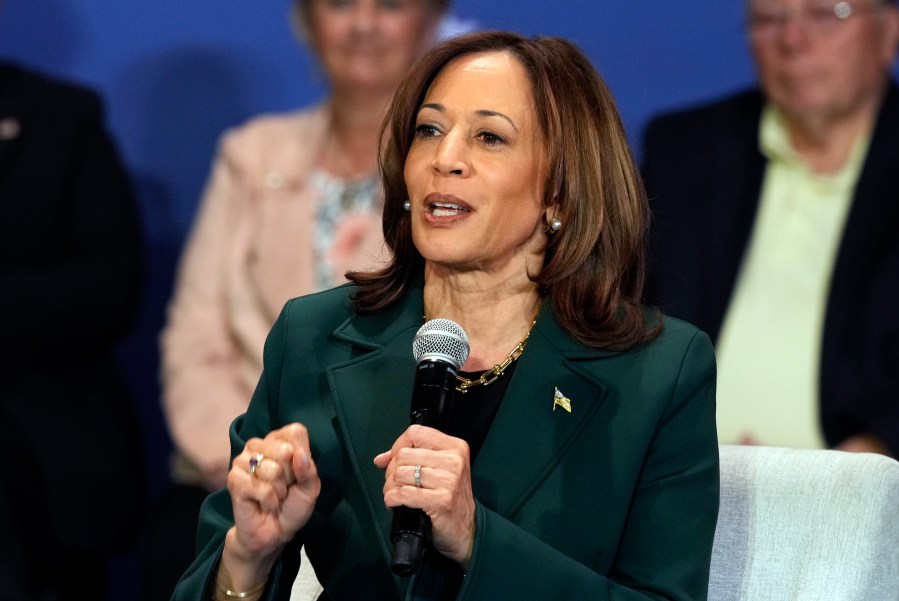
70 272
703 172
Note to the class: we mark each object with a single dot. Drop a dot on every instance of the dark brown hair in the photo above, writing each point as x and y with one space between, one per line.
594 268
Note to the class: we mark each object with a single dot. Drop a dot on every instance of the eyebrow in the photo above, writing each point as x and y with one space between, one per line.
481 112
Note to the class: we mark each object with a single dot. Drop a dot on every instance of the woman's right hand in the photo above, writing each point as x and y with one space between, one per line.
271 504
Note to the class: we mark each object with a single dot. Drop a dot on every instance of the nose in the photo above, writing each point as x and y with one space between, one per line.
364 16
452 157
794 29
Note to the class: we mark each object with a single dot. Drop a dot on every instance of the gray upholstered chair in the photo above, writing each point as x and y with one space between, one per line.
306 587
804 525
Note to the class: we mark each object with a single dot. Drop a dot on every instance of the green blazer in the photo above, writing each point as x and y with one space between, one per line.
617 499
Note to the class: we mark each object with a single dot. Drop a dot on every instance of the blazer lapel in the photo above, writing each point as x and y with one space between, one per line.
372 417
527 427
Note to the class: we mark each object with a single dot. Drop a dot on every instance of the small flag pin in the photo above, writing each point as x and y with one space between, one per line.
561 400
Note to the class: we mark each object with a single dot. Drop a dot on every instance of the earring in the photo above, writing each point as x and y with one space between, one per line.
554 225
407 206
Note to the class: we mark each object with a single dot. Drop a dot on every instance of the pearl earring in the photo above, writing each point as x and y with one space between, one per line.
554 225
407 206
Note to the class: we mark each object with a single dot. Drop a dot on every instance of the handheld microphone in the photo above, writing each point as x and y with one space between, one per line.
440 348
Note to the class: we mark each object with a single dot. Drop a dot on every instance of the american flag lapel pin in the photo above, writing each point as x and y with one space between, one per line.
560 400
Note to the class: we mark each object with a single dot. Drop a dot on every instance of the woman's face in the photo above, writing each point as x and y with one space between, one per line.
370 44
476 169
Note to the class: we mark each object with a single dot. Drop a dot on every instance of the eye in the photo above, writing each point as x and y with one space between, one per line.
426 131
392 5
490 138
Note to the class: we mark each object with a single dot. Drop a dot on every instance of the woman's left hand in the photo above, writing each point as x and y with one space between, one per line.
443 491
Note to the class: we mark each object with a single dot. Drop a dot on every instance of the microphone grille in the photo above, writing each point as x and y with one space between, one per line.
441 339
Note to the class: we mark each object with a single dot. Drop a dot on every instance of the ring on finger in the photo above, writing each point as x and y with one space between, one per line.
254 463
418 476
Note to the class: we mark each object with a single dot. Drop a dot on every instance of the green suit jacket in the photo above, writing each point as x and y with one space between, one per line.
617 499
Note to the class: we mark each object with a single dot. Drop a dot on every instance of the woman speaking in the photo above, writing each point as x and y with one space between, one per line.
579 459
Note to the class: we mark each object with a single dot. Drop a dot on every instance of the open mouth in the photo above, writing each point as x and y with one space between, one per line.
446 209
445 206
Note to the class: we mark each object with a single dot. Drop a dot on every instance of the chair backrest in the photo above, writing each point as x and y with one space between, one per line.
806 525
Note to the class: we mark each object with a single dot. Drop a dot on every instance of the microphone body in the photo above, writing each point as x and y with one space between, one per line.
440 347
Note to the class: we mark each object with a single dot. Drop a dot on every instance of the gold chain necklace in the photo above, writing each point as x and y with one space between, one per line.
494 373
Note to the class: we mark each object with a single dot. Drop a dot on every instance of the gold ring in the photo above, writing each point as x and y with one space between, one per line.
254 463
418 476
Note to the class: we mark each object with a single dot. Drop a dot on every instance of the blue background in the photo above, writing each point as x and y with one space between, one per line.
174 74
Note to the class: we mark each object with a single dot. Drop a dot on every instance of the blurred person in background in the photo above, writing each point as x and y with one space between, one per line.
775 228
293 203
72 481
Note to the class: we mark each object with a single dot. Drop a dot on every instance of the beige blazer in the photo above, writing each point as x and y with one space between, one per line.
251 249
